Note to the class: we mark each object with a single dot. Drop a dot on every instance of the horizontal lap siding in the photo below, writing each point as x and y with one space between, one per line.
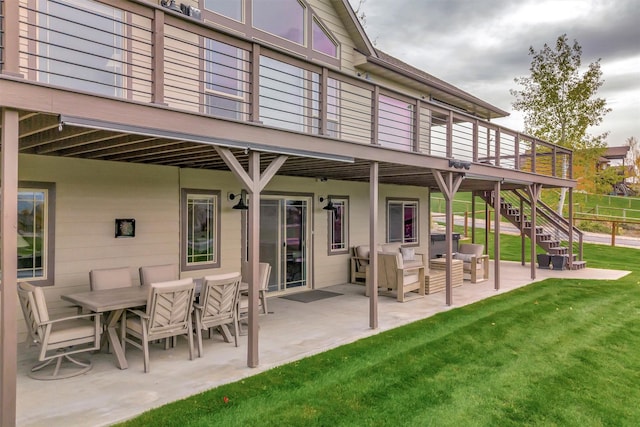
182 69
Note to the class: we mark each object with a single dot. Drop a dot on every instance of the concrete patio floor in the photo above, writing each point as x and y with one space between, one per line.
106 395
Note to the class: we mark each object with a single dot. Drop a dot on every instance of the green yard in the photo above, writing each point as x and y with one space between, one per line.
559 352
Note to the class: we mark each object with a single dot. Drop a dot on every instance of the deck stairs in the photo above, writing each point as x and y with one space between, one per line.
552 230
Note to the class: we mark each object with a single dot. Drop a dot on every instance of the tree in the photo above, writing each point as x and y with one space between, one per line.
559 103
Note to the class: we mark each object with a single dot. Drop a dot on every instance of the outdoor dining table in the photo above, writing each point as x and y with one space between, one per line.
114 302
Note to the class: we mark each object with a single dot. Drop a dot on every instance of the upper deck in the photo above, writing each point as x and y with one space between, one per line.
134 81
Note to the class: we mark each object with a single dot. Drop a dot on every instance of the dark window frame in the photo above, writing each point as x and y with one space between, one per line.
184 224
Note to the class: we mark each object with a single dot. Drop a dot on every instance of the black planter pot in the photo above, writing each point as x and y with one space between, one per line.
559 262
544 260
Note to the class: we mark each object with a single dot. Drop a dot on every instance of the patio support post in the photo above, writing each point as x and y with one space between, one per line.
522 236
473 217
253 182
534 193
448 182
497 203
570 213
9 266
253 223
372 275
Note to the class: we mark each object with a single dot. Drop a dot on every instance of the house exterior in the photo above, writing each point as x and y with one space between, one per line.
130 130
620 158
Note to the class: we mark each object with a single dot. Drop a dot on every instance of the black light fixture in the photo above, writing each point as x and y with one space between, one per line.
240 205
171 5
329 206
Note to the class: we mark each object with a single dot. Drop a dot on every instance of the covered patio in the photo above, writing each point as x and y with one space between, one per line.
292 330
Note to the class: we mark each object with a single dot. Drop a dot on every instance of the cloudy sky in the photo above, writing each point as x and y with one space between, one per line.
481 46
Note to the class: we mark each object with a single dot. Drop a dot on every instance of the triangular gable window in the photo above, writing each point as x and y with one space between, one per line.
322 42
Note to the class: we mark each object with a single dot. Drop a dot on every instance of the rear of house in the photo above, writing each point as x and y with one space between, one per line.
135 127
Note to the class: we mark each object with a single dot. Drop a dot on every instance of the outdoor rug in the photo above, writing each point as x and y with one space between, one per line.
311 296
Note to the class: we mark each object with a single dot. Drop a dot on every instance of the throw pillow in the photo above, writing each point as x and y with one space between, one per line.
463 257
408 254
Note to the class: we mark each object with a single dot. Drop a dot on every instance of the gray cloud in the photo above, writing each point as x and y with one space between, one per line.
443 38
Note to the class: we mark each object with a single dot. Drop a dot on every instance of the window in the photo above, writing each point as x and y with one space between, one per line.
224 80
322 42
339 226
229 8
80 46
395 129
283 18
282 88
36 211
200 229
402 221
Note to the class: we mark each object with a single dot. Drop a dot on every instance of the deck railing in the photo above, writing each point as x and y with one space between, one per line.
144 54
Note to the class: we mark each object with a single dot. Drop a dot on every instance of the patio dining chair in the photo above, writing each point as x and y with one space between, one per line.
158 273
59 339
168 314
217 305
110 278
243 301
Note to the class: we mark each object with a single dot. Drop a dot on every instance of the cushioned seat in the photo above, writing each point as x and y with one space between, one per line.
360 258
396 277
59 339
474 263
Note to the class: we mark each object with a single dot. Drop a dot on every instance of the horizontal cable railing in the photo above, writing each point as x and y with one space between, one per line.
114 51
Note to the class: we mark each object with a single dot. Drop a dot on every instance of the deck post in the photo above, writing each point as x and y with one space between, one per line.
372 283
534 193
9 267
448 182
253 182
497 202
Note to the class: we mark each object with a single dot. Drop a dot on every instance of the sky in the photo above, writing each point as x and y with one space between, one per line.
481 46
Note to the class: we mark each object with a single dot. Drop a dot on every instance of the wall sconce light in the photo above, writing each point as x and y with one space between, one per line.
329 206
240 205
459 164
171 5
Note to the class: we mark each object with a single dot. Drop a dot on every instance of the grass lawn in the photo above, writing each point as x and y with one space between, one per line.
558 352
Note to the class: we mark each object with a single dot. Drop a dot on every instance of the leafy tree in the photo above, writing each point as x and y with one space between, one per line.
559 103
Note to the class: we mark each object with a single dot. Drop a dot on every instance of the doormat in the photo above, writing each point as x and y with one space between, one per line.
310 296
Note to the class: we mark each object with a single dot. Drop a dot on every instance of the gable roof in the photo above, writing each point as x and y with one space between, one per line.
353 26
438 90
616 152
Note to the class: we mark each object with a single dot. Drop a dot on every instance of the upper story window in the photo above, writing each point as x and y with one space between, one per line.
225 80
283 18
395 128
229 8
322 42
289 24
80 46
282 94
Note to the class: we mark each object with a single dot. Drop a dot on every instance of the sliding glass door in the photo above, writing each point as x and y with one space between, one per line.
284 241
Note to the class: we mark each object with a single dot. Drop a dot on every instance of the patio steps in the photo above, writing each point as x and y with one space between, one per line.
544 236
